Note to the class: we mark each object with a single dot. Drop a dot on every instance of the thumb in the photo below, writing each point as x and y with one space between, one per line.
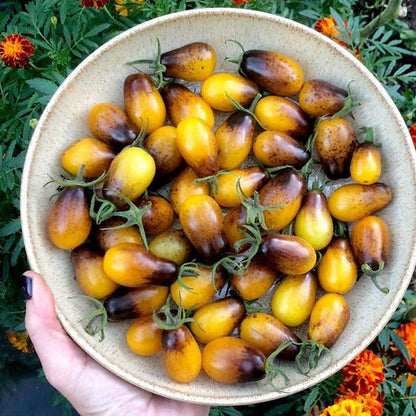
50 340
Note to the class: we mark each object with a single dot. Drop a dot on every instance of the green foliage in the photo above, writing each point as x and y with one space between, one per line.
64 32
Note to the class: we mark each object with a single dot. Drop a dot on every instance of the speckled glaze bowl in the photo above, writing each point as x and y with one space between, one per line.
100 78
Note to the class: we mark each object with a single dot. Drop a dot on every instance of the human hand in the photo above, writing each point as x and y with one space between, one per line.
91 389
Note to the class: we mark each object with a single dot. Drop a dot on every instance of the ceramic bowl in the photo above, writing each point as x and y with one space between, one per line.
100 78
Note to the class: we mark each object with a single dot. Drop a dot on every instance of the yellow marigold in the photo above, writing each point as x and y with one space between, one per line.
15 51
21 341
345 408
407 332
125 7
328 27
372 401
363 374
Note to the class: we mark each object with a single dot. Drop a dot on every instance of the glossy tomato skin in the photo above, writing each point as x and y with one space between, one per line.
281 114
172 245
287 188
69 222
110 124
294 298
129 303
289 254
130 173
216 89
191 62
250 179
160 215
266 333
95 155
232 360
182 103
202 221
89 273
272 71
184 186
370 240
365 167
234 222
354 201
234 138
201 288
144 337
328 319
320 98
107 235
217 319
313 222
143 102
335 143
255 280
198 146
132 265
274 148
337 270
162 146
181 356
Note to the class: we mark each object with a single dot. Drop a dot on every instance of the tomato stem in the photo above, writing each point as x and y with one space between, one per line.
238 60
96 321
170 321
372 274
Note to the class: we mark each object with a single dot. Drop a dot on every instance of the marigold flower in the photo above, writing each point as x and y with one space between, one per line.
410 379
363 374
125 7
372 401
98 4
345 408
240 2
412 131
15 51
328 27
407 332
20 341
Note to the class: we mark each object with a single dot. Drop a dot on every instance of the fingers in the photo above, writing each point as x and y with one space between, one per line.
50 340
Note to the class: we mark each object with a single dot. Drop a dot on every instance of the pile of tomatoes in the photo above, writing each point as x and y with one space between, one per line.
208 191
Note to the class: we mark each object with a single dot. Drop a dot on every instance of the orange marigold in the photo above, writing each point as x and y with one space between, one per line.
407 332
328 27
412 131
240 2
15 51
410 379
21 341
372 401
98 4
345 407
363 374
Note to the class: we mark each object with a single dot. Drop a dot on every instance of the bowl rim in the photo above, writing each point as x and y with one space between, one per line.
149 386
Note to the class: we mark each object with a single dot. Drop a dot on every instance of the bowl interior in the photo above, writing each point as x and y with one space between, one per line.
100 78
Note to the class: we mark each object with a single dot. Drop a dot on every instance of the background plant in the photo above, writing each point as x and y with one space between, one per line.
64 32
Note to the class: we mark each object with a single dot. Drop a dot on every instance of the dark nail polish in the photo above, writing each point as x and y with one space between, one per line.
27 286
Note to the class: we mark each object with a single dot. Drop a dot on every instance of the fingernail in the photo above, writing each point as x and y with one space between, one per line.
27 287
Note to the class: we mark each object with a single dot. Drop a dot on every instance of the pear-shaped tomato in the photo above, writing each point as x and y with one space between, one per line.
144 337
234 139
234 222
266 333
294 298
337 270
218 87
202 221
284 193
108 234
143 103
69 222
365 167
182 103
132 265
191 62
110 124
288 253
198 146
232 360
160 215
313 221
130 173
335 143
